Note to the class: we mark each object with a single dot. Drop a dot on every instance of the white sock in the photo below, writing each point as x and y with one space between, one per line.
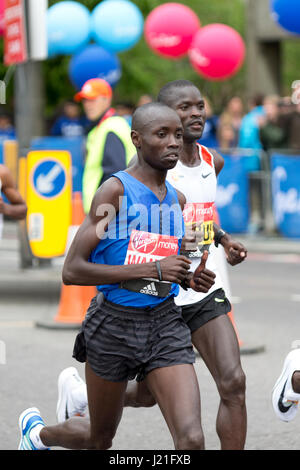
35 437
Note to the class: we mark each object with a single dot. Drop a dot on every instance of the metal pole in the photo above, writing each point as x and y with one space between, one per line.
29 122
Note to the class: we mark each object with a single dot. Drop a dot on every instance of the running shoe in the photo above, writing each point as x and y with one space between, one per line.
72 399
285 401
28 420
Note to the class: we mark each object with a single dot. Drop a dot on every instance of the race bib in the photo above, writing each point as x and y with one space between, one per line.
145 247
201 214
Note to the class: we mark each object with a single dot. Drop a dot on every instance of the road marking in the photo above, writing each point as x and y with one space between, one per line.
17 324
236 300
274 258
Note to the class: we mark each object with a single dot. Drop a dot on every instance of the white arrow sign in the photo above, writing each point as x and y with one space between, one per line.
44 183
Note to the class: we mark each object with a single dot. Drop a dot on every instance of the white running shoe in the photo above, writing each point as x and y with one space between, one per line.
72 395
285 401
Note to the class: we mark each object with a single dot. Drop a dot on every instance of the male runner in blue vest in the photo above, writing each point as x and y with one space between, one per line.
133 327
205 313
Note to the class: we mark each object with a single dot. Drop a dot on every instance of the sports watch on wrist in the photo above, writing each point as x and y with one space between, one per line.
217 238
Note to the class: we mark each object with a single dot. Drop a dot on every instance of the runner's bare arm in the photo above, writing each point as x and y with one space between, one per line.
218 161
181 199
16 209
235 250
77 268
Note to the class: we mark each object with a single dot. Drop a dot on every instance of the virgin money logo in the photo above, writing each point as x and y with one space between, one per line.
144 242
189 213
164 40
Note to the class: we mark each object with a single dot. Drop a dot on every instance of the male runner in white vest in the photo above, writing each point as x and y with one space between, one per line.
213 335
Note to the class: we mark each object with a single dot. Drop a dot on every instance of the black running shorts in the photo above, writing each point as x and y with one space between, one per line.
197 314
122 343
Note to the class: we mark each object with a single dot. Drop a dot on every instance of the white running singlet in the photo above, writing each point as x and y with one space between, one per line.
199 186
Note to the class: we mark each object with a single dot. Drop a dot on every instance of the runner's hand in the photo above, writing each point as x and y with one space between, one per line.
203 279
174 268
192 238
235 251
2 205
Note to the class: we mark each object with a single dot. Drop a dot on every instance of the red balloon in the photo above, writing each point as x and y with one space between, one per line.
169 29
217 51
1 17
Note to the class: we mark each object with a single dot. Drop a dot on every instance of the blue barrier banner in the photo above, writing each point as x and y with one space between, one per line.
2 162
76 147
286 193
233 195
1 152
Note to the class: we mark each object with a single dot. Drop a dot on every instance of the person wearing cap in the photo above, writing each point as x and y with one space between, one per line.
109 145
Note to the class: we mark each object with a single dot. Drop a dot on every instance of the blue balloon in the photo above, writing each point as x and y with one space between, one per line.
287 14
116 25
94 62
68 27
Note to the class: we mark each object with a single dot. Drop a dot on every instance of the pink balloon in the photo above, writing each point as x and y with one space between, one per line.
169 29
2 17
217 51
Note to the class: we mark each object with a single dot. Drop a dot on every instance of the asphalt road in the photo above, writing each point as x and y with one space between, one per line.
266 299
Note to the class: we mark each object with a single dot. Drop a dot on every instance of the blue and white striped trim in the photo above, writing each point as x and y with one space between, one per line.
27 421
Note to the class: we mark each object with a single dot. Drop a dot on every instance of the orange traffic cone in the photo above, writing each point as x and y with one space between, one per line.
74 300
223 272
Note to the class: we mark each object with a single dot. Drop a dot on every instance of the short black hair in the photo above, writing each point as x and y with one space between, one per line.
142 112
167 92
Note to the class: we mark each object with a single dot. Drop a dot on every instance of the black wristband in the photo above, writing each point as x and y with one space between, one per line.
217 238
158 268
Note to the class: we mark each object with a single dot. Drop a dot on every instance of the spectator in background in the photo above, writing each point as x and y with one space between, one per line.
71 123
126 110
285 105
109 145
209 136
291 121
249 130
226 136
7 130
273 130
144 99
233 114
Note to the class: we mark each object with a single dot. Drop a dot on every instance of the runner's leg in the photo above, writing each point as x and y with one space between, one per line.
217 344
105 400
176 391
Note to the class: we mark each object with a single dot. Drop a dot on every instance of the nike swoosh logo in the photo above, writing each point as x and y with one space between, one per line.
281 406
205 176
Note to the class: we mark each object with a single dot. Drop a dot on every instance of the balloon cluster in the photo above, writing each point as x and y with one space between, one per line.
172 30
113 26
215 51
287 14
1 17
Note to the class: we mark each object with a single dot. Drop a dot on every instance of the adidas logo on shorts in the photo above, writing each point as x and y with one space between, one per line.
150 289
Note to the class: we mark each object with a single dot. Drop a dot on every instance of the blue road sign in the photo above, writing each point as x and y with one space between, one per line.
49 178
